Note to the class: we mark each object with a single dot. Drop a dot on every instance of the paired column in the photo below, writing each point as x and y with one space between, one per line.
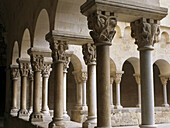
145 31
14 77
111 90
137 78
102 24
89 52
24 69
117 78
37 62
45 77
31 85
164 80
58 48
66 66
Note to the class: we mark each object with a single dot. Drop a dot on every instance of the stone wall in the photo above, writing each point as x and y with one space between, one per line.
132 116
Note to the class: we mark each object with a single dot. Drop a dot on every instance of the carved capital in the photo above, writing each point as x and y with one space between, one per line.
58 50
111 79
37 62
66 64
24 68
80 76
117 77
89 52
14 73
164 80
145 32
137 78
46 69
102 24
31 75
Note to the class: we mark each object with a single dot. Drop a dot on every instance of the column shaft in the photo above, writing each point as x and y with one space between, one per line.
14 99
84 93
23 92
31 95
45 94
146 69
58 91
91 89
64 92
37 85
139 96
79 94
117 94
103 87
165 96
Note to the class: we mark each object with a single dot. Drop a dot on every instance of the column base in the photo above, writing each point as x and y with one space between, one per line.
103 127
118 107
84 107
78 115
36 117
165 105
23 113
112 106
148 126
57 124
91 122
46 115
14 111
66 117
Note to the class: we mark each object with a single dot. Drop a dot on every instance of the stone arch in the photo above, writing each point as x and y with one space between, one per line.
129 87
15 53
135 63
127 32
112 66
165 37
25 45
163 66
65 19
76 63
41 29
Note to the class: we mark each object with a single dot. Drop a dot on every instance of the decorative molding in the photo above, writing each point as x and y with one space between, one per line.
89 52
145 32
58 50
31 75
164 79
102 25
80 76
24 68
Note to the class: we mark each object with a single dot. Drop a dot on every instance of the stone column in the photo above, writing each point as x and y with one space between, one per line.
66 117
31 84
78 105
117 78
164 80
102 24
89 52
37 62
45 77
137 78
83 81
24 69
145 31
14 77
58 48
111 90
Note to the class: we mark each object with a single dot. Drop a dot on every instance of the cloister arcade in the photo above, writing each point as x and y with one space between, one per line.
51 75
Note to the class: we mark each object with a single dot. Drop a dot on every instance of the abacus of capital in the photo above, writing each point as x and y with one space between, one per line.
24 65
102 16
58 48
89 52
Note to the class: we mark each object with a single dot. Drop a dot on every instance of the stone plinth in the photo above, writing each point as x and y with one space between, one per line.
78 115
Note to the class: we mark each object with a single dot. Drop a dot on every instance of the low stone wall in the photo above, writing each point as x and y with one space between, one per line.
132 116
